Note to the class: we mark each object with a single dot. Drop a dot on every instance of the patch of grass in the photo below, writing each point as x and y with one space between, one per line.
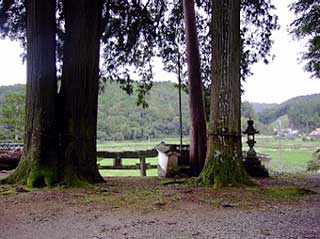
216 202
126 173
137 145
245 197
288 178
13 189
169 181
139 197
123 173
288 155
292 144
288 161
7 190
135 199
284 194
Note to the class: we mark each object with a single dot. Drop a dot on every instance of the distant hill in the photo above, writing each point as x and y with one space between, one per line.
259 107
303 112
281 122
120 118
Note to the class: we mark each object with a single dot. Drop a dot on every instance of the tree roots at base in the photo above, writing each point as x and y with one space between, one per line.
220 171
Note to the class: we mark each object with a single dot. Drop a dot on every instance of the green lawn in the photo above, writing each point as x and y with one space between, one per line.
132 145
293 161
292 158
150 172
136 145
126 173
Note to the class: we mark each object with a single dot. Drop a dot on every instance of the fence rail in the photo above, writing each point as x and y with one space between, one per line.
118 156
10 146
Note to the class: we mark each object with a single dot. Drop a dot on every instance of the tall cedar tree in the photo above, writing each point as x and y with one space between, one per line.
79 90
39 164
74 114
224 155
198 129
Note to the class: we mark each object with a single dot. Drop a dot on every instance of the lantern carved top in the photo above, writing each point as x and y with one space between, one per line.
250 131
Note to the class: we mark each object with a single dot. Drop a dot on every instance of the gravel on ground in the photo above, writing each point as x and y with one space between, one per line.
58 214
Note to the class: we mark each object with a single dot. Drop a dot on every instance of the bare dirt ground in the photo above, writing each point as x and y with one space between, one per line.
283 206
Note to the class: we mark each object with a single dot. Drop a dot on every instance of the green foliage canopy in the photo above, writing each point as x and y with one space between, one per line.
307 25
134 32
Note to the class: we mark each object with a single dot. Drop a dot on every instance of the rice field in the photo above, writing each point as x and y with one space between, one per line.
291 156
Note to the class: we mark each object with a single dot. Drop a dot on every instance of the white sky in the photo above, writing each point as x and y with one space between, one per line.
282 79
11 69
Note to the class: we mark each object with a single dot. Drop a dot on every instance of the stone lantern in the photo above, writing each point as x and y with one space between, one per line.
251 131
252 163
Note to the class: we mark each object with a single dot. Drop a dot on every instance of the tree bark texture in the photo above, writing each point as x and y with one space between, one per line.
39 164
198 131
79 90
224 164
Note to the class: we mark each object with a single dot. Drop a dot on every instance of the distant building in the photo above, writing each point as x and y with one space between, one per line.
315 133
286 133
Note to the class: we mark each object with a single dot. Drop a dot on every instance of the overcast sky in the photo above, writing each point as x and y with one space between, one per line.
282 79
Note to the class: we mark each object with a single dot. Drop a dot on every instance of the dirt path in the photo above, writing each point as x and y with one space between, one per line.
143 208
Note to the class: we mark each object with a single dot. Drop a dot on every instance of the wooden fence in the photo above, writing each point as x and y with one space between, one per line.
10 146
118 156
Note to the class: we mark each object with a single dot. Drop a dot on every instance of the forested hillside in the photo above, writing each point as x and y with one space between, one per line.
120 118
303 112
259 107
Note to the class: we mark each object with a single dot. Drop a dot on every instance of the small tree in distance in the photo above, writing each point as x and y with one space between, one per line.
12 116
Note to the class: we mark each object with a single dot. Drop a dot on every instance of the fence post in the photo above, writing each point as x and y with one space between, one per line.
117 161
143 168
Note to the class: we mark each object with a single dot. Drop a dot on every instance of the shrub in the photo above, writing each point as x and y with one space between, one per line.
314 164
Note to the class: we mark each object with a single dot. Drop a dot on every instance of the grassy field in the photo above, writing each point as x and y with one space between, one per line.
132 145
289 156
136 145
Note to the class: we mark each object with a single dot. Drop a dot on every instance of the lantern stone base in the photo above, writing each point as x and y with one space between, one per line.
254 167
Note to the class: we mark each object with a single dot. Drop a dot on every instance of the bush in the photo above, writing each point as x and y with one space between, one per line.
314 164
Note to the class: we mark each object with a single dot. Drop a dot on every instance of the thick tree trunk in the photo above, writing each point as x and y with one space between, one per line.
198 131
224 164
79 90
39 164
